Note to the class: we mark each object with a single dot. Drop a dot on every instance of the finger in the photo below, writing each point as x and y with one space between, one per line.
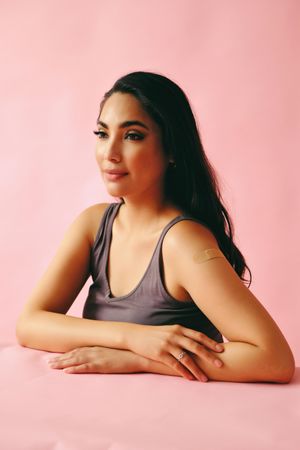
203 339
61 364
170 361
200 350
67 355
60 358
193 367
81 368
194 373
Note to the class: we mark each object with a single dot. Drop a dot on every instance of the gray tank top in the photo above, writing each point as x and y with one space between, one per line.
148 303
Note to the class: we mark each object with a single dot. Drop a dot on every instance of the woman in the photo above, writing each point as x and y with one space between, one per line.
167 277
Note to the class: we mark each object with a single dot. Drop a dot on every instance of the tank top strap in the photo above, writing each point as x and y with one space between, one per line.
176 220
104 223
103 236
156 259
111 213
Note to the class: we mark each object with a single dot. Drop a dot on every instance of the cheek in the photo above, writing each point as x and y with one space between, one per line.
144 159
157 161
151 167
98 153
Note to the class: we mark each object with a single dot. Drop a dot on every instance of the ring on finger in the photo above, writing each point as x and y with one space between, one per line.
181 355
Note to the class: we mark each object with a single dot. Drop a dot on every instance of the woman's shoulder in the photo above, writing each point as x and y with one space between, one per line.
189 233
94 214
193 241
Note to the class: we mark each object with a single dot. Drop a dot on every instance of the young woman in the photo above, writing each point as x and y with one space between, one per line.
167 276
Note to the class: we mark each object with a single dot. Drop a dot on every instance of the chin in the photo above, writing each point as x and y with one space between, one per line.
115 192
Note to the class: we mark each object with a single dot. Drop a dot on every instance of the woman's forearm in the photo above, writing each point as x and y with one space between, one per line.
55 332
243 362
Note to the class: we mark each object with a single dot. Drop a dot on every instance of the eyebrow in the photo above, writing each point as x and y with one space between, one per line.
127 123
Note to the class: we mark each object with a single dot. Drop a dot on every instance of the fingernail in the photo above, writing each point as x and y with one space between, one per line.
219 347
218 363
203 378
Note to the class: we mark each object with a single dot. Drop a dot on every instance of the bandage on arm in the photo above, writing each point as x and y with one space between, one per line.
207 254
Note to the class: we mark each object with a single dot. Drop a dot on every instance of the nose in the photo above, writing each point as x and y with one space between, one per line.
112 150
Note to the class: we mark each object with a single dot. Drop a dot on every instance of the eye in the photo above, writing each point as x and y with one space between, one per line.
100 134
134 137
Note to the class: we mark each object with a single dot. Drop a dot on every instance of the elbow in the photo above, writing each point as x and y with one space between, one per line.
20 331
283 368
286 376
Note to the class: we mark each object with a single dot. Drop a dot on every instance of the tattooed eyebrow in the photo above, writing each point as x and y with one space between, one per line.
127 123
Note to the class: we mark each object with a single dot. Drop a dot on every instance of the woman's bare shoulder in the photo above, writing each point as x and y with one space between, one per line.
187 237
189 232
94 214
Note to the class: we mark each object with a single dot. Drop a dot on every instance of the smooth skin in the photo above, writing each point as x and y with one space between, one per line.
256 351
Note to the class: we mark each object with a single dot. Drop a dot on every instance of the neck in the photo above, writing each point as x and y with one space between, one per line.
137 217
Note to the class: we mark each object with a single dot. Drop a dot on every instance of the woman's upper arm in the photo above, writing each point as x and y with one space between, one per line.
69 269
219 292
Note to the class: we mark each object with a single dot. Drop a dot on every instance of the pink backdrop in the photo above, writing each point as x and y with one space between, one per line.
238 62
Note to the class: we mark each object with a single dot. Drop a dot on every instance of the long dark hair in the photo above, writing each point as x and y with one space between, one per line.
191 184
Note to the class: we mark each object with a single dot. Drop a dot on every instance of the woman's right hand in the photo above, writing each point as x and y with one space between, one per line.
165 343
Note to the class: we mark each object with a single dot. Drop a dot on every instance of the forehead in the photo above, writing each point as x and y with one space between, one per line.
121 107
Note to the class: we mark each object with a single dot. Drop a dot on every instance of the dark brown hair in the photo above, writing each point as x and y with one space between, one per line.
192 184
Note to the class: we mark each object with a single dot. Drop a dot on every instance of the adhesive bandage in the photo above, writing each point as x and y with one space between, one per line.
205 255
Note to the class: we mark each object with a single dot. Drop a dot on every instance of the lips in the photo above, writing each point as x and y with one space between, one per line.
115 172
114 175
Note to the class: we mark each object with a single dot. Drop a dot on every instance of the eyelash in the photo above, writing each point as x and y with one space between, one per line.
138 137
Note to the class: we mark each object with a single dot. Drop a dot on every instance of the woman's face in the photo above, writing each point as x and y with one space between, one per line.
129 147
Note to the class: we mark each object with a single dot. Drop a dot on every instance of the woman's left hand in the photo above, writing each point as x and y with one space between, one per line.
98 360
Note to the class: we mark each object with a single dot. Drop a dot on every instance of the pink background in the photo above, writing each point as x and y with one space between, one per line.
238 61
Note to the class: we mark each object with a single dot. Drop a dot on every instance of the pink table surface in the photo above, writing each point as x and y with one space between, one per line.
47 409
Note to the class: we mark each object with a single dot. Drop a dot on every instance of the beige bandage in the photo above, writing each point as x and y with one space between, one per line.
205 255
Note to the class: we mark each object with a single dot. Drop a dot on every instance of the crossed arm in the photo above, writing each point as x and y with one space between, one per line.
241 363
110 347
256 351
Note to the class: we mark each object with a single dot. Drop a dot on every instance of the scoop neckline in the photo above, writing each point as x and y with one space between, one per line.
109 296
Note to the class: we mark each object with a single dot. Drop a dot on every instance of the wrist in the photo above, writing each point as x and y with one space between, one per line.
143 363
131 333
135 362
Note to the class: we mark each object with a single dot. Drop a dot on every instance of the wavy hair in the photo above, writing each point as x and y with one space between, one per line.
191 183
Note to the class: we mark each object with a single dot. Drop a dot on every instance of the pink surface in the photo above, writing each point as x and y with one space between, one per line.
43 408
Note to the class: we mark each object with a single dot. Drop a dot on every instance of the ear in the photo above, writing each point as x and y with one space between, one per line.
172 163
